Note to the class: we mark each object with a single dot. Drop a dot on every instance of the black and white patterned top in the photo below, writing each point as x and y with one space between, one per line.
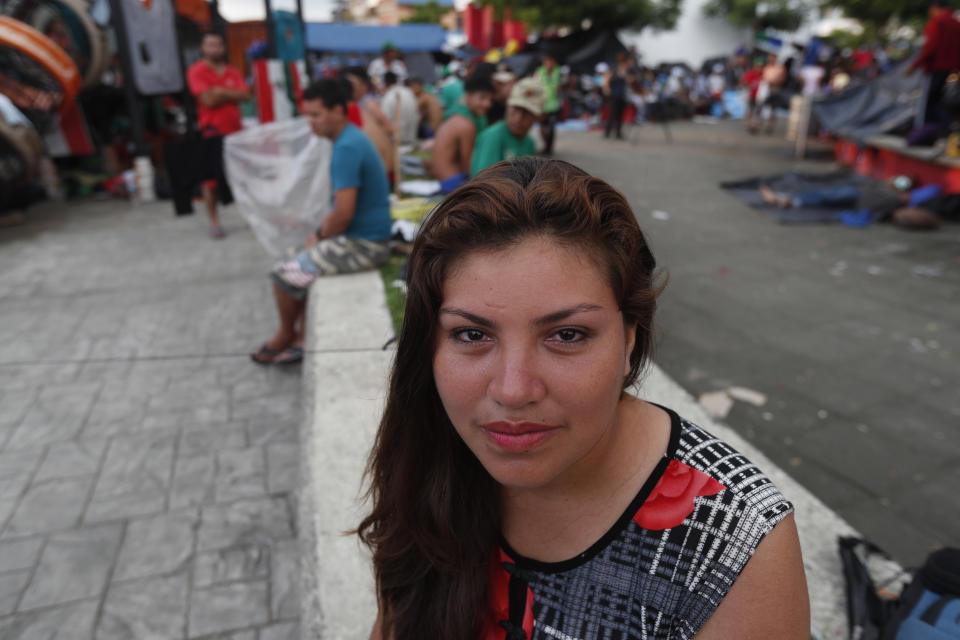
662 569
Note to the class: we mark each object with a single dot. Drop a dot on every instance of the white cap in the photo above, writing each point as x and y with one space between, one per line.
527 94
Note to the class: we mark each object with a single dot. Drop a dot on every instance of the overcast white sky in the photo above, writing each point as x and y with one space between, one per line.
313 10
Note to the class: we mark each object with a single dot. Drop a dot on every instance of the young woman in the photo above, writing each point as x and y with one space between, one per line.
519 491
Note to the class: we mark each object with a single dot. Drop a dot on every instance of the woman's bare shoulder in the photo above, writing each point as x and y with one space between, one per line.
769 599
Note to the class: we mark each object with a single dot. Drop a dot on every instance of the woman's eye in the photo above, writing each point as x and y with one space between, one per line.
469 335
569 335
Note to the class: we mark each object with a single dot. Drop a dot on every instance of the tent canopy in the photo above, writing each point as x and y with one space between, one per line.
582 50
355 38
885 104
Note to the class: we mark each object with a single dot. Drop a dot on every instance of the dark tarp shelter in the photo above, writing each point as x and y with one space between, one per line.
883 105
582 50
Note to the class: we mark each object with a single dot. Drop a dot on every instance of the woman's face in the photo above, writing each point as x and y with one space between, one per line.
530 360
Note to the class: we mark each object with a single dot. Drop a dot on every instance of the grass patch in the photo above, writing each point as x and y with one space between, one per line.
396 297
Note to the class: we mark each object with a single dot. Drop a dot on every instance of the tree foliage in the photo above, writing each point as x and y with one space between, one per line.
429 12
341 11
787 15
620 14
879 14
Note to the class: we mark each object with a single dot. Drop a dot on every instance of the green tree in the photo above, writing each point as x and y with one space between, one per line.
341 11
759 14
880 13
620 14
429 12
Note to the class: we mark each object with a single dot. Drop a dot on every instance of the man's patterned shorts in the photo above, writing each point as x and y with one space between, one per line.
330 256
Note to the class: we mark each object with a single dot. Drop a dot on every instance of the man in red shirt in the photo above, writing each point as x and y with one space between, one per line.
940 55
217 88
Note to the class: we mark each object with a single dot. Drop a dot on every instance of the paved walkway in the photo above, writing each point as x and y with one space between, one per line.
147 467
852 334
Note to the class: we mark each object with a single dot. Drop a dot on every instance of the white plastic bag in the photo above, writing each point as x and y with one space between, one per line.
280 177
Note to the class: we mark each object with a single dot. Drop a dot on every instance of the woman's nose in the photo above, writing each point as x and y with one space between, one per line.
517 380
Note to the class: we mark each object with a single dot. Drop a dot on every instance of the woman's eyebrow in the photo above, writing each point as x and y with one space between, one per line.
550 318
483 322
563 314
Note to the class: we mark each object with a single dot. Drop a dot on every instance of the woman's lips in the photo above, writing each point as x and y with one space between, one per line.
517 437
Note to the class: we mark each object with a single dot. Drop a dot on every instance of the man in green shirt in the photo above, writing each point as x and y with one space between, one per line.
510 137
451 87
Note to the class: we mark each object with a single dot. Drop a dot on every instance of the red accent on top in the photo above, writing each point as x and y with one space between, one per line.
499 607
354 114
671 501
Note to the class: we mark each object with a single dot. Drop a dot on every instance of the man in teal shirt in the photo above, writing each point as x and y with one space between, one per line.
511 136
352 237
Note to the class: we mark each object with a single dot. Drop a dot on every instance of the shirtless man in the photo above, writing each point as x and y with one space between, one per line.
453 144
431 111
768 94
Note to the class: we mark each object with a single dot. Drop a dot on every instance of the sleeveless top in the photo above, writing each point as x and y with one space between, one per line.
662 569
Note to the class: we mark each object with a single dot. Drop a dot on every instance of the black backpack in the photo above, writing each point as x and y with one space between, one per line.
927 609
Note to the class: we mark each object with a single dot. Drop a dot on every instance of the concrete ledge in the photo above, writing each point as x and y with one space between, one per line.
344 378
344 391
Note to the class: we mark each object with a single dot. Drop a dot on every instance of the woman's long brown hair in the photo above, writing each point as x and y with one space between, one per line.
435 520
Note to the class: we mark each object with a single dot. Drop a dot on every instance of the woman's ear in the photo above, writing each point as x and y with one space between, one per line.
630 340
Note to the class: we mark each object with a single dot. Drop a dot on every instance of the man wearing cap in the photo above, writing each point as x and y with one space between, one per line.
510 137
389 61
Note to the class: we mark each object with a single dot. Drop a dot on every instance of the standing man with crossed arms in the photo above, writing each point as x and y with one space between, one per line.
217 88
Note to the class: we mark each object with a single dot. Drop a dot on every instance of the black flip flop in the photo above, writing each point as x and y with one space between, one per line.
265 355
290 355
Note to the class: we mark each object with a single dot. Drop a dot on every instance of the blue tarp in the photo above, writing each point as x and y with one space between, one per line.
355 38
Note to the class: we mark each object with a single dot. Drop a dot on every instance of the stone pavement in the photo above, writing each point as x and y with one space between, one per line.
147 467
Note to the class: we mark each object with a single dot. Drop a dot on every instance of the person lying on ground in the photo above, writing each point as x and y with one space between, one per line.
453 143
510 138
518 487
895 201
431 111
353 236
